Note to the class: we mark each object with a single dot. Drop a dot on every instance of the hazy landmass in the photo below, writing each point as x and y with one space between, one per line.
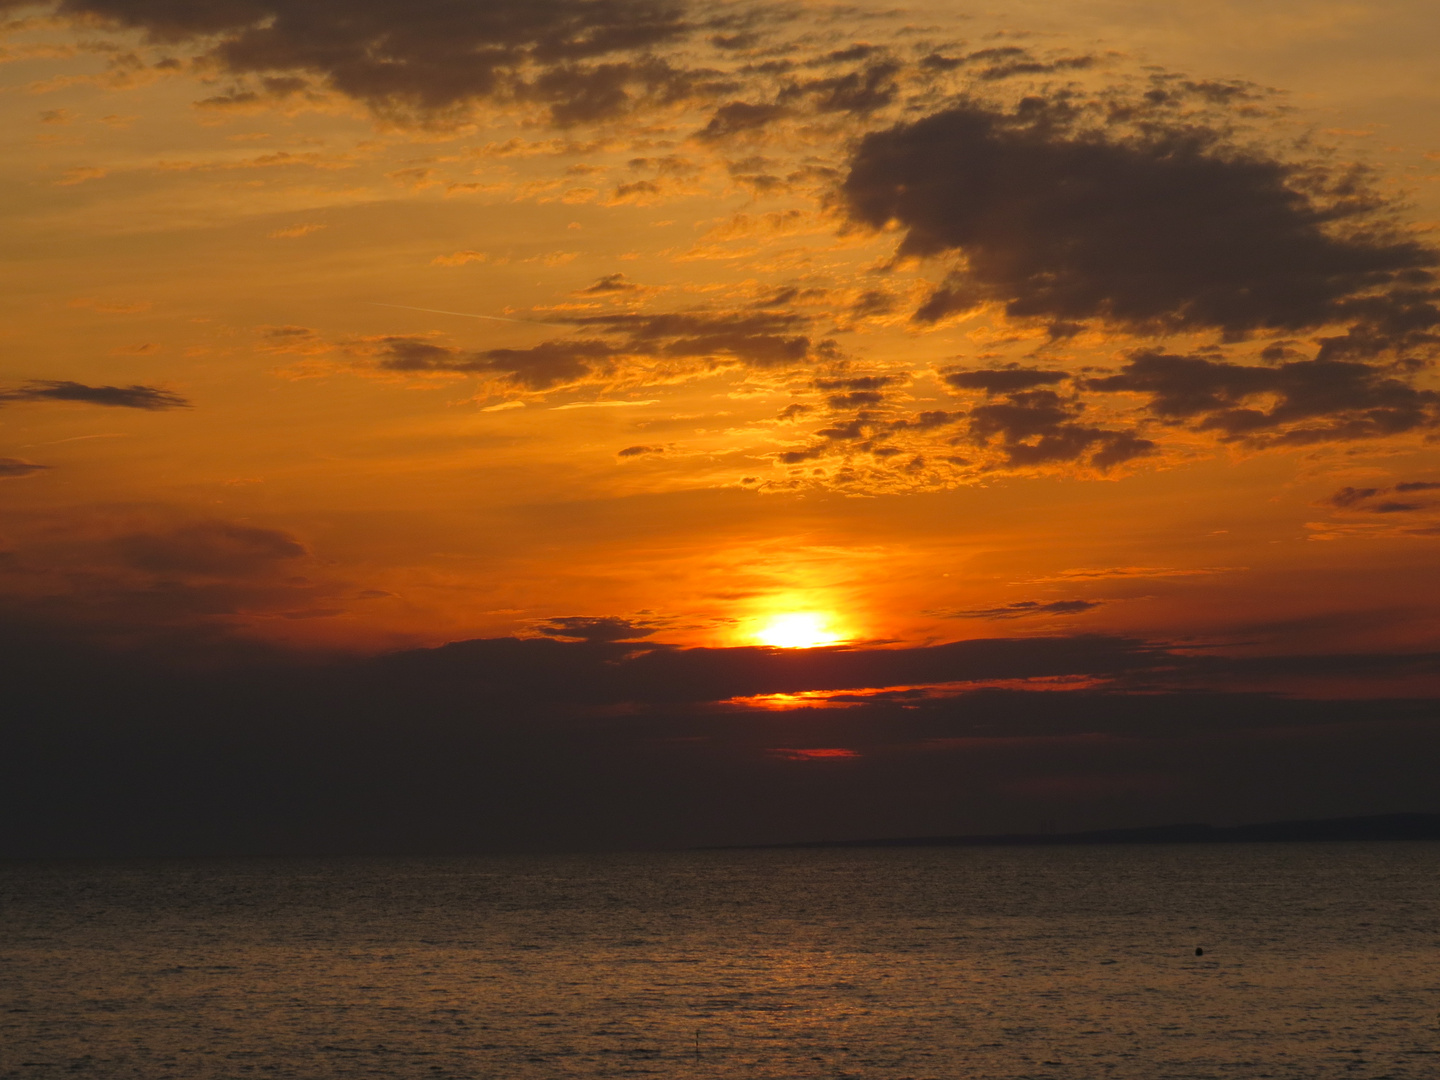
1370 827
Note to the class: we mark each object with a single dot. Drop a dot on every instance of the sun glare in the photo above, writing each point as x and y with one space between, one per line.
797 630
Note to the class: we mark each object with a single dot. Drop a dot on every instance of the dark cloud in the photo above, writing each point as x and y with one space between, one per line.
185 588
796 457
1159 224
855 393
744 40
1298 402
125 397
12 467
1026 608
758 338
1349 496
1039 427
509 744
1006 69
873 302
640 451
610 283
539 367
761 339
602 628
738 117
1003 62
218 548
858 382
927 420
846 430
586 59
1353 498
859 92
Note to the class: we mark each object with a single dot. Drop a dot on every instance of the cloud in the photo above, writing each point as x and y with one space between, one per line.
211 548
1098 573
857 392
611 283
1003 380
1361 499
189 589
640 451
738 118
687 340
1039 427
110 307
295 231
10 468
757 338
1349 496
1298 403
149 398
584 59
459 258
1156 225
539 367
1027 608
860 92
818 753
80 174
522 744
603 628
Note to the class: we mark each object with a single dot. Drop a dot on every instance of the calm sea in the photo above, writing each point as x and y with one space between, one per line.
1319 961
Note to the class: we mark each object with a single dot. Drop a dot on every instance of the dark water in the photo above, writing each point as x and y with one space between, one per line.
1320 961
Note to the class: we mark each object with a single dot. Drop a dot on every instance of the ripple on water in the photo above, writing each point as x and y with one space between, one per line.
1063 963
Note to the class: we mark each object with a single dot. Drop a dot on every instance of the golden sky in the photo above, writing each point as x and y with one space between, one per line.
455 426
446 321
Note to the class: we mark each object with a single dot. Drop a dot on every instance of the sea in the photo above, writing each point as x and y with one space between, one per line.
1065 963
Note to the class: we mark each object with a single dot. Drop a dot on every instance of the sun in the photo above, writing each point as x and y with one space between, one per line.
797 630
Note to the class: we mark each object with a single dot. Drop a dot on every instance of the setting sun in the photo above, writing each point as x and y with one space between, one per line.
797 630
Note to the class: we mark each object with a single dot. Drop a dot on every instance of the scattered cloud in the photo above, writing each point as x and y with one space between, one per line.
582 60
1157 223
1297 403
148 398
1026 609
80 174
10 468
111 307
591 628
295 231
1100 573
211 548
610 284
459 258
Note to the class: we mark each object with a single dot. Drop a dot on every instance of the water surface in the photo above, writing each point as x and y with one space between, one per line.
1321 960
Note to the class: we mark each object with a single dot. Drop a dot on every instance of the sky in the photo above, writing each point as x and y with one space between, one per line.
448 426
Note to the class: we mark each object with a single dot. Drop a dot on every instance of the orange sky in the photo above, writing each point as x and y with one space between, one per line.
399 369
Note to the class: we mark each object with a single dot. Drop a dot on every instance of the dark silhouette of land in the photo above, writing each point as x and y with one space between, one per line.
1373 827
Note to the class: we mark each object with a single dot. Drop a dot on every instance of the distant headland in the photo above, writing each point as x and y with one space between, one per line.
1373 827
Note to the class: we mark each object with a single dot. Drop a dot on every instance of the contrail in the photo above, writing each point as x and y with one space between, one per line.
464 314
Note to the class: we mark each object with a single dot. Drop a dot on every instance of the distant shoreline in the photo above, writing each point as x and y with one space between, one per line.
1372 827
